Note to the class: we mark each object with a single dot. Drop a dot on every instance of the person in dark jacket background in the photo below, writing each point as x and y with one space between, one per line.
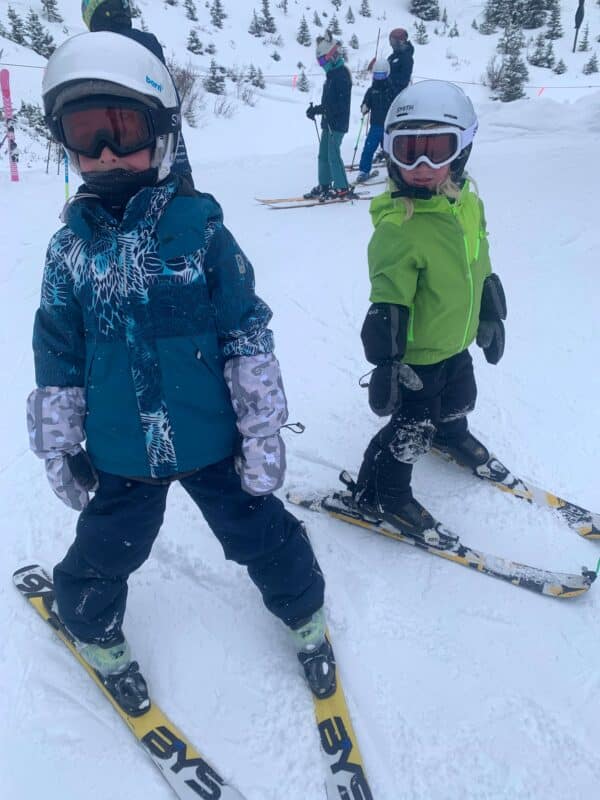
115 16
335 119
377 101
401 60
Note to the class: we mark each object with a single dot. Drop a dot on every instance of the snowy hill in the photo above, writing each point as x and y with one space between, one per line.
460 686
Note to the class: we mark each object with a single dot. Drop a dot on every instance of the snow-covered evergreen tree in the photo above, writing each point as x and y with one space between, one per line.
190 10
255 28
590 66
584 44
512 78
336 4
364 9
334 26
549 55
40 39
283 5
317 20
17 27
421 36
534 14
555 29
217 13
51 11
538 56
194 45
354 44
303 85
454 32
349 16
511 41
303 36
215 80
267 20
560 67
425 9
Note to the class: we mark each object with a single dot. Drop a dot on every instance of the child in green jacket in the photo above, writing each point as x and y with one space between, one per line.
433 293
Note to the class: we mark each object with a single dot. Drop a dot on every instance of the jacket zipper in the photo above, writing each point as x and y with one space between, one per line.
469 275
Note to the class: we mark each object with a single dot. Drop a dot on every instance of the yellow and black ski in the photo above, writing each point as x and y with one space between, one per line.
339 504
585 523
189 774
344 769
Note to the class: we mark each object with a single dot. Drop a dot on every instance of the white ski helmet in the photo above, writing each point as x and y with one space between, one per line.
381 69
105 63
429 102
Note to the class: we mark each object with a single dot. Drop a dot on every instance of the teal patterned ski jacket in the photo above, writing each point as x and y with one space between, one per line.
143 313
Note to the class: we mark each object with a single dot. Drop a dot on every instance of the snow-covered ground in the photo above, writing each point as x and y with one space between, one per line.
460 686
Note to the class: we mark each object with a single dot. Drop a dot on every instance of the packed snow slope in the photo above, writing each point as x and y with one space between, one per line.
460 686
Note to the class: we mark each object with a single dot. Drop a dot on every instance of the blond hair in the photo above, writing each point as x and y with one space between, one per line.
447 187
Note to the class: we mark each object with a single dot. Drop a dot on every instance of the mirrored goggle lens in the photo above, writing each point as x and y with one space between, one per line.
439 148
124 130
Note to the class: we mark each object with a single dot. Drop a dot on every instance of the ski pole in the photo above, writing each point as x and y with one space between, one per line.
362 121
317 130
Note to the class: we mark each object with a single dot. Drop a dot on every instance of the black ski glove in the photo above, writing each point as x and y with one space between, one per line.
313 111
490 334
384 333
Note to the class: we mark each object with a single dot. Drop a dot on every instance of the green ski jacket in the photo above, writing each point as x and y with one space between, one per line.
434 263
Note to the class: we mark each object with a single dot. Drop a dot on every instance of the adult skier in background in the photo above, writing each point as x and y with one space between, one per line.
432 294
334 110
115 16
376 102
151 346
401 60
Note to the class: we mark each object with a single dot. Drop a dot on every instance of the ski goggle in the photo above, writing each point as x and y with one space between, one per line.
409 147
122 124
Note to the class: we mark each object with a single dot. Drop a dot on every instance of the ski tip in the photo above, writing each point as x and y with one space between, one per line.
29 568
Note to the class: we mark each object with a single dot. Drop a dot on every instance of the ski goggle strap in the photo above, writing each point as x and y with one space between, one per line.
123 125
409 147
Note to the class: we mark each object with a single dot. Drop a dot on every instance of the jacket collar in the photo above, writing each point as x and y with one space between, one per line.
84 213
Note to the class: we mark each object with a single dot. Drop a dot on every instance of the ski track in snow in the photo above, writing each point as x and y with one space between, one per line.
460 686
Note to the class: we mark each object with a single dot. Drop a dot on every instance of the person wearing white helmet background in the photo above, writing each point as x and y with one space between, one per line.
152 348
376 101
433 294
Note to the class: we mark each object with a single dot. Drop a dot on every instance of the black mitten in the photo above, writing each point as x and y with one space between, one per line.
490 334
385 386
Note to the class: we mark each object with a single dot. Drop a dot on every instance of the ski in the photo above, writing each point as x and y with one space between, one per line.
446 544
308 201
585 523
344 769
13 153
188 773
313 203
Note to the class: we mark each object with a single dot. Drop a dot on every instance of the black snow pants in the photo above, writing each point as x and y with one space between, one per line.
116 531
438 410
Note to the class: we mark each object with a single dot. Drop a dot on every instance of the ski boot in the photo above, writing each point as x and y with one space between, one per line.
338 194
111 661
409 518
316 655
316 192
362 177
468 452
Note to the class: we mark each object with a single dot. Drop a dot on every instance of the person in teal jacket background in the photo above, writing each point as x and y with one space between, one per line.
152 347
433 294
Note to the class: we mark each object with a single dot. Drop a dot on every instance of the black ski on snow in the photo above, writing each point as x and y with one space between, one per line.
189 774
440 541
585 523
